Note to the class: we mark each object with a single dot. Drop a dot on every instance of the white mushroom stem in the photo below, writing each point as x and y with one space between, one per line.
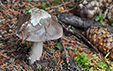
36 52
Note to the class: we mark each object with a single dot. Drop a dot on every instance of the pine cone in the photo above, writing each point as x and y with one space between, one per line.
91 8
102 39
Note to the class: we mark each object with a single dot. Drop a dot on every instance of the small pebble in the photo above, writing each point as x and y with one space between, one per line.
10 30
0 36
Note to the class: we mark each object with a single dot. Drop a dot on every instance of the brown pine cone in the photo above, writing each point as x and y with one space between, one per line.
91 8
102 39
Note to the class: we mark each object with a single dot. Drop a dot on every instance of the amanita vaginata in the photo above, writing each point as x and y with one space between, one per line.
37 26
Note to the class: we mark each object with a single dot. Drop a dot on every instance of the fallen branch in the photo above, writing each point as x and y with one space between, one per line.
81 23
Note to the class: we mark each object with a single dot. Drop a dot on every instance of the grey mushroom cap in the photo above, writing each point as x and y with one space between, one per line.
38 26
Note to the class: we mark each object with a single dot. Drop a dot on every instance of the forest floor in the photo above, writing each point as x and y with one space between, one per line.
14 55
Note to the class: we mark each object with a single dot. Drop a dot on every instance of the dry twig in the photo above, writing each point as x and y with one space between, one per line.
67 60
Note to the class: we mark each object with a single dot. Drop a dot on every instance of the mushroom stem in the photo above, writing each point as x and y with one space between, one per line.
36 52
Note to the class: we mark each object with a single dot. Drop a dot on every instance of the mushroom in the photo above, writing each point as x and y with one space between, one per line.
37 26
